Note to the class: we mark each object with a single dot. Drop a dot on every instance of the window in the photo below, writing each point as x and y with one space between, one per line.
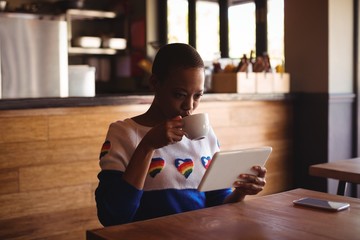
275 32
242 33
242 30
207 29
177 20
241 23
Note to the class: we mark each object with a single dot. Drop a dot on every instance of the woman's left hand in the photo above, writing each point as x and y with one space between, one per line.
248 184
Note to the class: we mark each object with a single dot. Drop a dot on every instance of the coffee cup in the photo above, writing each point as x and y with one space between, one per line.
196 126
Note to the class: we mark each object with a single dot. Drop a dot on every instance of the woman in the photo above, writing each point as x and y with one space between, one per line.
141 175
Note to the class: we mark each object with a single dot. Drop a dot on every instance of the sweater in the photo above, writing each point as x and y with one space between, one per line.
171 183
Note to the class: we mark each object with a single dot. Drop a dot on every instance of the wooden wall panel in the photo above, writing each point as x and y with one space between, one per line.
22 129
245 135
45 201
73 126
23 154
49 160
58 175
218 118
62 225
9 181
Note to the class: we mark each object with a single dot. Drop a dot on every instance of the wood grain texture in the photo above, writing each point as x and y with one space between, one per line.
16 155
21 129
49 160
268 217
23 204
59 225
347 170
9 181
58 175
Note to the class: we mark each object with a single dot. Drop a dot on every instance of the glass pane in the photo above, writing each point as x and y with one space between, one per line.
242 32
177 19
275 26
207 29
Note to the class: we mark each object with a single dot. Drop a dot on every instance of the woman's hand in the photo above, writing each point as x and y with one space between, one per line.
248 184
166 133
159 136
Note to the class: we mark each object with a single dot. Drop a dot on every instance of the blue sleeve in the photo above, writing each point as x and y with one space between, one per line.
217 197
116 200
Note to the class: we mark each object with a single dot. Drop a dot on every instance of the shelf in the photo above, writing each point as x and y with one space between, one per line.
80 50
75 14
83 14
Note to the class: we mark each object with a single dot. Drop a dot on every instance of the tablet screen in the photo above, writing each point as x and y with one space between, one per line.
226 166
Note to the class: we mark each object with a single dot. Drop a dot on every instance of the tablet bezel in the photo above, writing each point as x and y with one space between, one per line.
226 166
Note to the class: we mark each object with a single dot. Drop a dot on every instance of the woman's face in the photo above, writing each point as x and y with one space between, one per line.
180 93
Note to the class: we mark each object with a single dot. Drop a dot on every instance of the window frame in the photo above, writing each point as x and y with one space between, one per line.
261 24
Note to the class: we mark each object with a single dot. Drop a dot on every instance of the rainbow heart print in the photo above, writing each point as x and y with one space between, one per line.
156 166
184 166
206 161
105 149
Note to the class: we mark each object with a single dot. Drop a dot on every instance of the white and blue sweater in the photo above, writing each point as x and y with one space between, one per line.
170 186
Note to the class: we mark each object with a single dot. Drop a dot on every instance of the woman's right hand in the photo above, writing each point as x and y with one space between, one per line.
159 136
165 133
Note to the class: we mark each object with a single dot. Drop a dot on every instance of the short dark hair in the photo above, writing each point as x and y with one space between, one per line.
175 55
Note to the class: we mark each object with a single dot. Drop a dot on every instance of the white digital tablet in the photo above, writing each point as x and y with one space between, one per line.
226 166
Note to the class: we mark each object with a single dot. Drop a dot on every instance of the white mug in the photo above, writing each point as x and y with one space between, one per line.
196 126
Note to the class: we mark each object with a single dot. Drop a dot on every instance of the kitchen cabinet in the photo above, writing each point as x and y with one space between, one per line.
90 37
79 20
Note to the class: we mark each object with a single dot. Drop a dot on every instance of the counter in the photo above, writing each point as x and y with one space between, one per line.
49 151
8 104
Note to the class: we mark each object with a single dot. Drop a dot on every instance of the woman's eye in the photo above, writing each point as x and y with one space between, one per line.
198 96
179 95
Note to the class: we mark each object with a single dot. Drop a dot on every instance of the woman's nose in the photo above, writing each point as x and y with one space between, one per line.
187 105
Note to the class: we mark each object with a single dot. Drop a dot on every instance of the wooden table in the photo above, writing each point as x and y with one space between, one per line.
269 217
343 170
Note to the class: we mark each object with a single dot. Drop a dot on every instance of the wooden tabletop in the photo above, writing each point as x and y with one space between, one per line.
269 217
344 170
